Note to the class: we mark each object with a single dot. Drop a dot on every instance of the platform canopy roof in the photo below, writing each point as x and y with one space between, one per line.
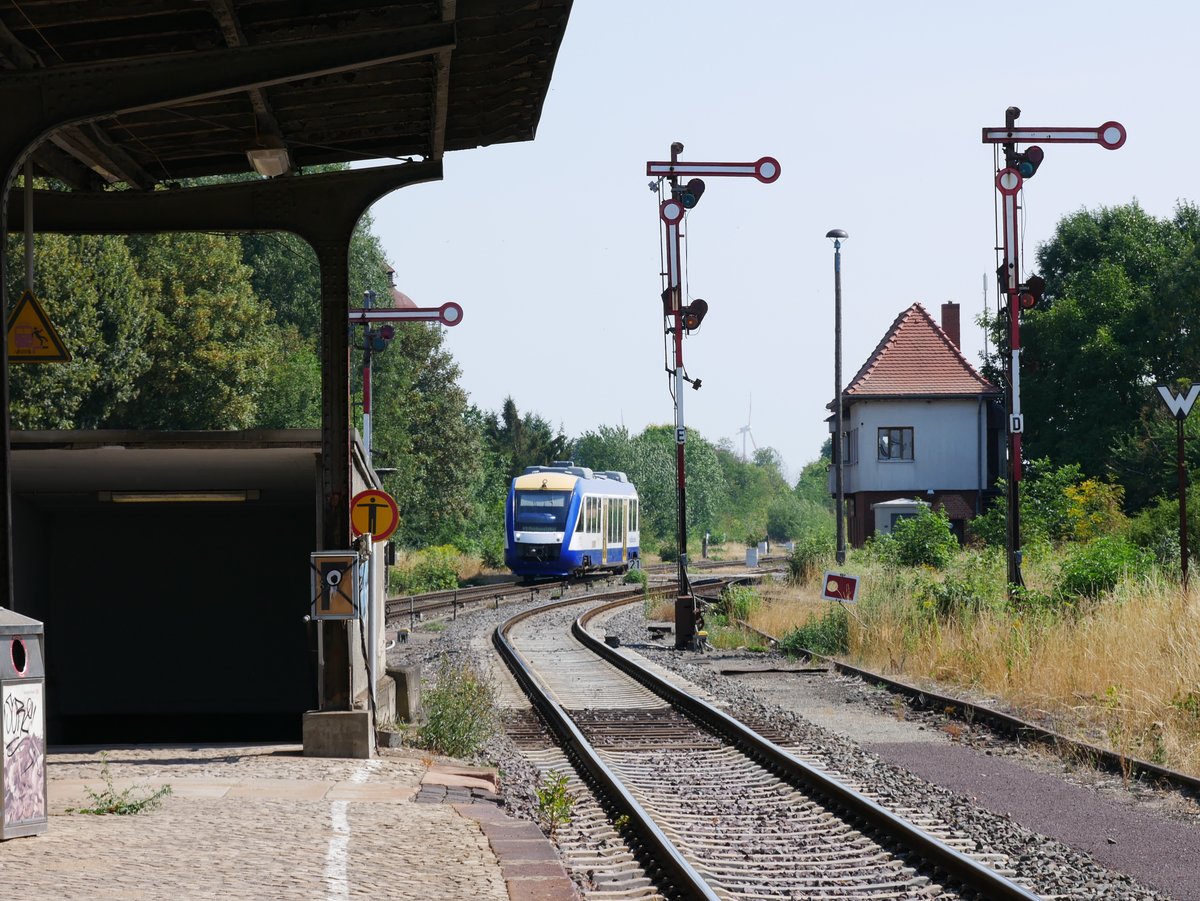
477 74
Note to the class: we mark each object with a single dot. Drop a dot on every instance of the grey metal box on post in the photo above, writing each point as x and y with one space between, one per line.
23 707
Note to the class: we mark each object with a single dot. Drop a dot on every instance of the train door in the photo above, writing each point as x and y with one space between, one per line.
604 514
624 529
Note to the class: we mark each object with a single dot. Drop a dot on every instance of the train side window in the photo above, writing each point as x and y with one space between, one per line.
581 515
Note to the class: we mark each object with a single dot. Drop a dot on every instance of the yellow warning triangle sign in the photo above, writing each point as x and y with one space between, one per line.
31 336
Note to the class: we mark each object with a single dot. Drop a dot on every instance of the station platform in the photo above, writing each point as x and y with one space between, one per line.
264 822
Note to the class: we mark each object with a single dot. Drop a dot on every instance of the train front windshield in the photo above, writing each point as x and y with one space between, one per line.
541 511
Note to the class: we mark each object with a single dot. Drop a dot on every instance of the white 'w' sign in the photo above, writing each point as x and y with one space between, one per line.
1180 405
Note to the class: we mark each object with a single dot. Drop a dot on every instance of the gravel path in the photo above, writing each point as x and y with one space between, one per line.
1074 834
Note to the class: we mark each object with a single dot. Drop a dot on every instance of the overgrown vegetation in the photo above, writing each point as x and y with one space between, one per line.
431 569
460 710
826 633
810 557
922 540
555 803
636 576
122 803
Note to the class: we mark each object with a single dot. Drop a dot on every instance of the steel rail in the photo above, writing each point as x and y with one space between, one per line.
452 599
664 859
991 884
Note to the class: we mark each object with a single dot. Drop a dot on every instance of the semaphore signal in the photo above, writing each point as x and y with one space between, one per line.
1025 295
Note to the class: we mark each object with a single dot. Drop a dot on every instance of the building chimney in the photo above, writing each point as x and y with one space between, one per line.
950 322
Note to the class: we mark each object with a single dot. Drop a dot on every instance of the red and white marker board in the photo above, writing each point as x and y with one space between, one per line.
839 587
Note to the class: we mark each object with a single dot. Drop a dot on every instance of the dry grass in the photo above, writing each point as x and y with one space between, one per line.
660 610
1123 672
784 607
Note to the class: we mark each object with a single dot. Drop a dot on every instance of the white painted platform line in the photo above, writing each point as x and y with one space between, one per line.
337 856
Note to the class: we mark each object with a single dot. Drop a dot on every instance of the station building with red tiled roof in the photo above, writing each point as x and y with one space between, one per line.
400 300
920 425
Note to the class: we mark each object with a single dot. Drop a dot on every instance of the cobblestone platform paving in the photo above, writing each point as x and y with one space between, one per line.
261 823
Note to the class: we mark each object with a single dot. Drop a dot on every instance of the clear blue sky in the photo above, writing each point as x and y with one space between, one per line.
874 111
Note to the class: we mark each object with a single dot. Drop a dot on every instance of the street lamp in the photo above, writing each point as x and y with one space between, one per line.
838 235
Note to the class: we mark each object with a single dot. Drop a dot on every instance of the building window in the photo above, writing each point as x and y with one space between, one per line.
851 445
896 444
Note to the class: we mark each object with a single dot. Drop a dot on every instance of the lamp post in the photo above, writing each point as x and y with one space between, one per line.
838 235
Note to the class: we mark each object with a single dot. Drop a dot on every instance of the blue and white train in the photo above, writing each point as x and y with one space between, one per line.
565 520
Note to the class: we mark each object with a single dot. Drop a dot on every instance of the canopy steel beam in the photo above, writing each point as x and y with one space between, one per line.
311 206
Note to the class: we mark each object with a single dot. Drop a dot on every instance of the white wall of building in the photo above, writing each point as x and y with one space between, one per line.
948 446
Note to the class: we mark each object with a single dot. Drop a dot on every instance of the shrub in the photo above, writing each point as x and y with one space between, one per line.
1094 509
555 804
122 803
668 553
737 602
1029 602
990 526
784 519
953 597
460 711
434 569
1056 504
922 540
1094 568
809 557
491 549
1156 528
825 634
635 576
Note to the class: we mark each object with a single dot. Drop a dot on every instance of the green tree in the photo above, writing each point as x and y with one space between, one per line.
1121 291
652 469
284 273
291 394
1144 459
812 491
607 448
422 431
525 440
208 337
90 289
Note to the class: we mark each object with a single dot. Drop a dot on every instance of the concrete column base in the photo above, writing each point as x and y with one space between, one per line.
338 733
408 691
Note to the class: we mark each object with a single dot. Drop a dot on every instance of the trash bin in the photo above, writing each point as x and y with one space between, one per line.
23 705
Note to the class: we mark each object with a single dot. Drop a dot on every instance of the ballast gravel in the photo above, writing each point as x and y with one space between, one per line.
946 787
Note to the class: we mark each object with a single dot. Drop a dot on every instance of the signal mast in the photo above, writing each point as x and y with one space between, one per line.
682 317
1025 295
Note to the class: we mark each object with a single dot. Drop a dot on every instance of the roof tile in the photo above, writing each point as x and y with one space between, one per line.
917 359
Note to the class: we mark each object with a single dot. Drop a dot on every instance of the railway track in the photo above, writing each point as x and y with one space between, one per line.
711 807
417 606
439 603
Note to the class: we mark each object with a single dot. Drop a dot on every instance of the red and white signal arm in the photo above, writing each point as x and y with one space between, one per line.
839 587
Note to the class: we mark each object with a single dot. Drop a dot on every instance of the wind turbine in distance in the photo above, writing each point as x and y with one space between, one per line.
744 431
